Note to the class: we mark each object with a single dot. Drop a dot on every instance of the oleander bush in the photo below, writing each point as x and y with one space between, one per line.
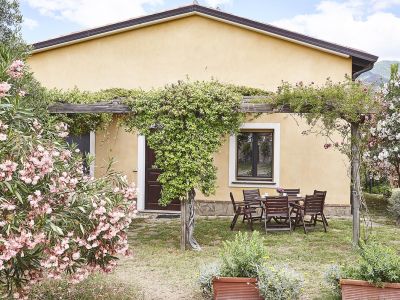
55 220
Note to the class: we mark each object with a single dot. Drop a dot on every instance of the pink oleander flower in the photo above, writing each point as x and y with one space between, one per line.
16 69
7 170
4 88
21 93
62 129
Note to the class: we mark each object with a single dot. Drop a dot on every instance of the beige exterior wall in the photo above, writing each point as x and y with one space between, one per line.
202 48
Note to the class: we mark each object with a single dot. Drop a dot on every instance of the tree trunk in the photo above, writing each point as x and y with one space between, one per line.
355 180
187 223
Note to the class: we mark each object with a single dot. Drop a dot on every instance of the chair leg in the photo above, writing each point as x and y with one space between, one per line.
304 223
290 224
324 219
265 223
297 220
251 222
236 216
315 219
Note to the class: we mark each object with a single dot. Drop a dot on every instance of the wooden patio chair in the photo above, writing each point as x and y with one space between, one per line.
253 199
241 209
323 194
292 193
277 208
314 207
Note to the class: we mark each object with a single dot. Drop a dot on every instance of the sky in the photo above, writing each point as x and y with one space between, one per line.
369 25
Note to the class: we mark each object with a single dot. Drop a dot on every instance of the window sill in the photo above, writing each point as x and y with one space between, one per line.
249 183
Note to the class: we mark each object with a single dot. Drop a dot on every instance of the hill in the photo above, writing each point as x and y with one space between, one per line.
380 72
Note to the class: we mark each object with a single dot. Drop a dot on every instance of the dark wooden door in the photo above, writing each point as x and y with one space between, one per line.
153 187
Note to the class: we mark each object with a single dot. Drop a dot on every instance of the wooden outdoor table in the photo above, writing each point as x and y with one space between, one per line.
291 199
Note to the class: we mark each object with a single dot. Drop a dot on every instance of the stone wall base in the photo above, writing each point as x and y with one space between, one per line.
224 208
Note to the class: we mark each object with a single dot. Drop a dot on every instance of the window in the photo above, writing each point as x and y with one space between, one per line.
85 143
255 155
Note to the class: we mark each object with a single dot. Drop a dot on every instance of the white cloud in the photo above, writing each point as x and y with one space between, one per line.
365 25
92 12
218 3
30 23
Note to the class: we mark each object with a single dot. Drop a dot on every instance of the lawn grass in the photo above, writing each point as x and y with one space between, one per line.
159 270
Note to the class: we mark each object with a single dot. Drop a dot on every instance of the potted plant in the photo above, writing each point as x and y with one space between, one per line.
243 272
375 276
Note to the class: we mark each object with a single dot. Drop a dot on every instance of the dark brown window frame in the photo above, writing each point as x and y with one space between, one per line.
241 178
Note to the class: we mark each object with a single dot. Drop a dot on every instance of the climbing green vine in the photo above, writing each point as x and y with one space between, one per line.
185 124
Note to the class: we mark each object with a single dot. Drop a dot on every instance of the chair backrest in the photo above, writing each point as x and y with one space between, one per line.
251 195
277 206
291 192
321 193
314 204
233 202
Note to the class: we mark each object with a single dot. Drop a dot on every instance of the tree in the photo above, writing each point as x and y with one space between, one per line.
383 157
10 25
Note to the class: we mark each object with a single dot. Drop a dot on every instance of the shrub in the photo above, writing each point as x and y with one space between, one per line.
246 256
394 205
242 256
279 282
56 221
207 274
332 278
377 264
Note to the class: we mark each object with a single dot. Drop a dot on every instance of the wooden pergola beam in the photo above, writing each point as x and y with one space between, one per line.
248 105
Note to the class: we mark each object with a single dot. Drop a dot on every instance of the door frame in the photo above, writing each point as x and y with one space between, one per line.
141 171
141 176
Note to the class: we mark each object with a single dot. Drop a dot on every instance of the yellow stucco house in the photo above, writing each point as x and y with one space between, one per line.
204 43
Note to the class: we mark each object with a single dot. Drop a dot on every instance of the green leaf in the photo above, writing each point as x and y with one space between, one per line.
56 229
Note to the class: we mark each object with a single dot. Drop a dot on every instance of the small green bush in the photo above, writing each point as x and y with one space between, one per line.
381 189
279 282
377 264
394 205
242 256
246 256
332 278
207 274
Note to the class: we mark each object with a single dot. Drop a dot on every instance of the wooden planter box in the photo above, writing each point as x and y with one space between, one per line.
231 288
360 289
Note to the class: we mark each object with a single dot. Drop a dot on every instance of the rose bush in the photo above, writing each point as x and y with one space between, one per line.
55 220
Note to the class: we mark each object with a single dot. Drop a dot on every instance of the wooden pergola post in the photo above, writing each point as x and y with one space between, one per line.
355 180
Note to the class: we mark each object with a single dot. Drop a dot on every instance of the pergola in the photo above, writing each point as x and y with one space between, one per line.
249 104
